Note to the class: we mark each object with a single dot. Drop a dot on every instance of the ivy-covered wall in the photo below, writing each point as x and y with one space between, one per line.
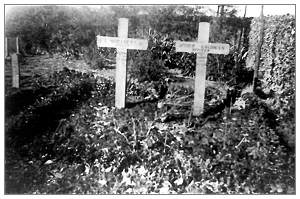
278 59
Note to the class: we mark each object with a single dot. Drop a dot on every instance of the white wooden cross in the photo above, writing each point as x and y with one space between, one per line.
121 43
202 48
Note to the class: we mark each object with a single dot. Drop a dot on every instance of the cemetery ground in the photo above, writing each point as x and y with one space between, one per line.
63 135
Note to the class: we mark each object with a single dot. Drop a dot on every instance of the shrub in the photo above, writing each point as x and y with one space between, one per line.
278 60
150 65
98 58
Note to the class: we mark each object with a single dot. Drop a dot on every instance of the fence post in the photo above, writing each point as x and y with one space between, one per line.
17 44
15 70
5 48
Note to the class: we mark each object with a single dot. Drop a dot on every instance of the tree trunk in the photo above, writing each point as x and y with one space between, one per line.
237 54
222 10
218 11
243 29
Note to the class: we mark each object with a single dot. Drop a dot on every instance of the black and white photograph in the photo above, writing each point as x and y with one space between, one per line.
106 99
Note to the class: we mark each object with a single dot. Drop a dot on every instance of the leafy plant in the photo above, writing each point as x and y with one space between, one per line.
151 66
278 60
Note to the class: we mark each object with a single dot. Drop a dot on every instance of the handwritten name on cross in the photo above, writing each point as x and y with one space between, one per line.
202 48
121 43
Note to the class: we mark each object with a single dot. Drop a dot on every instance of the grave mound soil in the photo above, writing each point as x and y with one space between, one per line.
18 99
115 145
72 140
33 114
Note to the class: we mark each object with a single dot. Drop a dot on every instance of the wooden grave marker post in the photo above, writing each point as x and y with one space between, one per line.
5 48
202 47
121 43
15 70
17 44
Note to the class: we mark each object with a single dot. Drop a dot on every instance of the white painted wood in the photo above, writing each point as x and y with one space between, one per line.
121 43
200 74
199 47
121 68
202 47
116 42
15 70
17 44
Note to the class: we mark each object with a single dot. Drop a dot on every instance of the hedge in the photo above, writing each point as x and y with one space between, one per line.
278 59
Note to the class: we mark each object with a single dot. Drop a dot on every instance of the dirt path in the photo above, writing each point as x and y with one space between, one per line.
44 65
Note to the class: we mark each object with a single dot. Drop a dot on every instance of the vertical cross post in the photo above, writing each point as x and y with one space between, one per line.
200 74
202 48
121 67
15 70
122 44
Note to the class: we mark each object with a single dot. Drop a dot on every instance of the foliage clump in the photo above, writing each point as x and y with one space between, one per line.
278 59
102 150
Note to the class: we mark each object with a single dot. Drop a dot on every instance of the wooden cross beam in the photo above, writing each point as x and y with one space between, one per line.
201 48
121 43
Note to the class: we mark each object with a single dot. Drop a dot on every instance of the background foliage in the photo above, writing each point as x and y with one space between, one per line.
72 31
